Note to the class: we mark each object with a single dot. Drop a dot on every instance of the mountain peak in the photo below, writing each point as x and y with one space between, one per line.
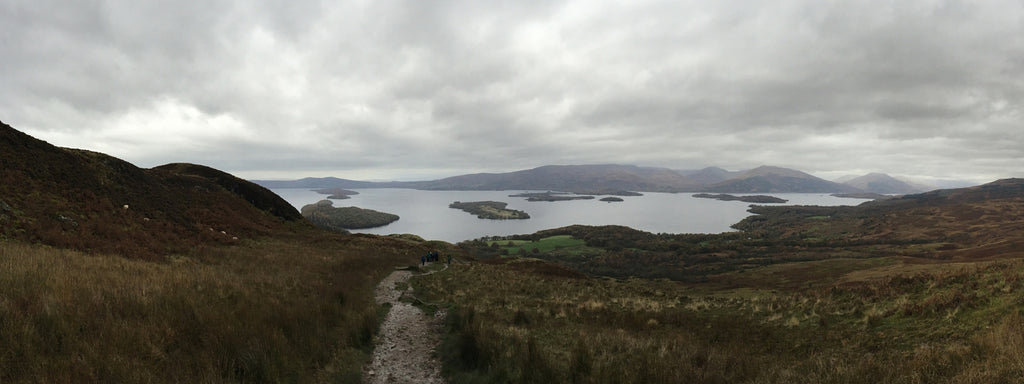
770 179
709 175
769 170
876 182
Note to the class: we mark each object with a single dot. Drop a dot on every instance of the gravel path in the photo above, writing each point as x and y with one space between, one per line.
405 349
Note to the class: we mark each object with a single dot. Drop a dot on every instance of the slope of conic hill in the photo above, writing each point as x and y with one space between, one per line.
256 195
95 202
767 179
884 184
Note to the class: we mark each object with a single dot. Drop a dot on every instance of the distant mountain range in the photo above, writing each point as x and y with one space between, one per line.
885 184
573 178
766 179
593 179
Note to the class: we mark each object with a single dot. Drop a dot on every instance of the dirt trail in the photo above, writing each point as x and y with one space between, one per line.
405 349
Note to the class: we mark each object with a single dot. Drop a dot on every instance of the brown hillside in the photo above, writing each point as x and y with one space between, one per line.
94 202
985 221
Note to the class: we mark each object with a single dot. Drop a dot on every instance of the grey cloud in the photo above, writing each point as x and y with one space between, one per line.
907 87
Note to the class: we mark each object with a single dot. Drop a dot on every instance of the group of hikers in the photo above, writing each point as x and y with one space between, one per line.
433 256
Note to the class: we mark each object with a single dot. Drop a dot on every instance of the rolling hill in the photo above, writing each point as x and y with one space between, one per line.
709 175
883 184
176 274
571 178
768 179
93 202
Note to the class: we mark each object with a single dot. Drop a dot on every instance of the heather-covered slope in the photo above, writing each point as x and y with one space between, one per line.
191 276
94 202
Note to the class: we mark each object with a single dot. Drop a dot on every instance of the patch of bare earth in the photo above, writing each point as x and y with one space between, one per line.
405 348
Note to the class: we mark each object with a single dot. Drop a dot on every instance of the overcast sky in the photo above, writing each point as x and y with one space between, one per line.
410 90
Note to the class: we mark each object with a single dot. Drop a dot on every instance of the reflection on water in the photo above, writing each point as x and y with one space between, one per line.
426 213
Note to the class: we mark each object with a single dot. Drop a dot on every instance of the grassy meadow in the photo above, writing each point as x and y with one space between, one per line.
526 320
921 289
547 244
295 308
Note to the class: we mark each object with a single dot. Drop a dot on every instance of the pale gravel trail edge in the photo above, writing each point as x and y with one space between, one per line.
405 347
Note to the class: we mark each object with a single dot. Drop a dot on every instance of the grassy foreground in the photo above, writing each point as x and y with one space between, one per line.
288 309
525 320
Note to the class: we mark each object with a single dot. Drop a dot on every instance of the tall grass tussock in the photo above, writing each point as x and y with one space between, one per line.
276 310
512 322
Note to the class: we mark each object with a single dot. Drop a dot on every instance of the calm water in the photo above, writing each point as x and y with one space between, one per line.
426 213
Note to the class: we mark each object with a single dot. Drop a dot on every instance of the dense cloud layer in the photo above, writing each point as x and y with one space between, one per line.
415 89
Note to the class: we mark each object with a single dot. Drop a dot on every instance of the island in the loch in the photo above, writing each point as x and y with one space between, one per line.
551 196
607 192
759 199
336 193
494 210
323 214
611 199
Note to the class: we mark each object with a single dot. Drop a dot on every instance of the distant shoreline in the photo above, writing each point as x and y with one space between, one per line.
760 199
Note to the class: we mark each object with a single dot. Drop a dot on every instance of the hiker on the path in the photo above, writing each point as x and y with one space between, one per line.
449 259
423 260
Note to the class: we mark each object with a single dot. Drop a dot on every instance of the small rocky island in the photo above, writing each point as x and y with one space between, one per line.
336 193
494 210
324 215
551 196
758 199
611 199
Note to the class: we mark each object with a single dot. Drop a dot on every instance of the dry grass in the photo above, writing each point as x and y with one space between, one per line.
295 310
951 325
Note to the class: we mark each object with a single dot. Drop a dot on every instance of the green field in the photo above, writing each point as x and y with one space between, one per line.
565 243
526 320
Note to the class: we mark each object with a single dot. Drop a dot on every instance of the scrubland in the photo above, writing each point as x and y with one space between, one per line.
921 289
525 320
287 309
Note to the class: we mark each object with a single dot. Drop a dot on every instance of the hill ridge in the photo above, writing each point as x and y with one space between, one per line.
771 179
86 200
591 178
877 182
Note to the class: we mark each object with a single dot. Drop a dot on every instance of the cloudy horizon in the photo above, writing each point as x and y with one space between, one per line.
409 90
